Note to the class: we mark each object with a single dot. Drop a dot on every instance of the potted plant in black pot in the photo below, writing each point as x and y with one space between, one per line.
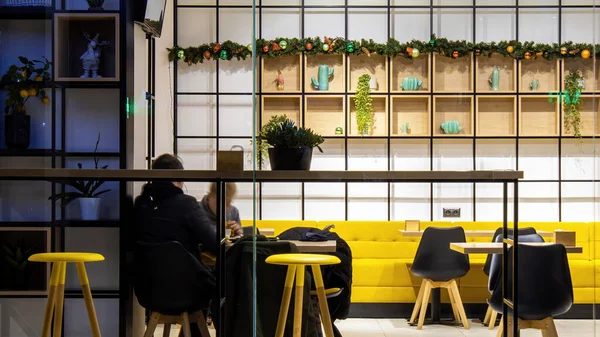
22 83
288 146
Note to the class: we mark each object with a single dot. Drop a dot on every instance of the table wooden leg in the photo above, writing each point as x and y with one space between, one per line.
320 287
60 299
418 303
54 277
87 297
298 300
285 300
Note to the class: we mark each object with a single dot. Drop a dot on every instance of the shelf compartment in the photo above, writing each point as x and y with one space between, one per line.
291 69
71 44
337 82
380 112
545 71
452 75
324 114
508 73
414 110
25 13
290 105
34 279
496 115
586 66
403 68
590 117
376 66
453 108
538 116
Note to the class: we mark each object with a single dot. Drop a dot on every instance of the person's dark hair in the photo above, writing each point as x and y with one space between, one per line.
167 162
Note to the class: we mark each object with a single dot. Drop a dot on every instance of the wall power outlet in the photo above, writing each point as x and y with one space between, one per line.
451 213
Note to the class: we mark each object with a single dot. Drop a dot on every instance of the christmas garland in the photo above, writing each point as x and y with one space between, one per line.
229 50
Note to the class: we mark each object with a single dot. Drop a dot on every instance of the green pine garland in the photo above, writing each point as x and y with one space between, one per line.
282 46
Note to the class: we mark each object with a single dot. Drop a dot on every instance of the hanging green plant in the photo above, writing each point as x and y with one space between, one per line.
572 103
363 102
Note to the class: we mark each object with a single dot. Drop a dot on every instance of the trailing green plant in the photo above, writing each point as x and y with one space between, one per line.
572 103
17 256
23 82
363 102
83 189
282 132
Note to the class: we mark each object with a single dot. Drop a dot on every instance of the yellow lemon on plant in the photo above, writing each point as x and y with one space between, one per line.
24 93
38 78
32 92
46 100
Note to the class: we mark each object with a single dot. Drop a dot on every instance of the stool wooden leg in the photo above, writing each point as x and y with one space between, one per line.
60 299
298 300
166 330
492 322
154 317
87 296
201 322
285 300
187 332
54 277
320 287
418 303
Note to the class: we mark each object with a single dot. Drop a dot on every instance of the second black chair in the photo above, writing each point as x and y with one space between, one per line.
440 267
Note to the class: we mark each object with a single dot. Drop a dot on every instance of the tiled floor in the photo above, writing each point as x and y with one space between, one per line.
399 328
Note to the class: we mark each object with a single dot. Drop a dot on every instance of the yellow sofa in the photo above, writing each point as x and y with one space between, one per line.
382 257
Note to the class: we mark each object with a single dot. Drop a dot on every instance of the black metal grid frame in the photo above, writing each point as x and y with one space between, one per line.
391 9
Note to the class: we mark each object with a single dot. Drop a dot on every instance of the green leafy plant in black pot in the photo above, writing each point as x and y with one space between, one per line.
87 192
288 146
16 257
21 83
95 5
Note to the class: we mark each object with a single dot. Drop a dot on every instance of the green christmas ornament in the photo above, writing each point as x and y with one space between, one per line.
180 54
325 47
432 42
339 131
283 44
415 53
350 47
223 54
249 47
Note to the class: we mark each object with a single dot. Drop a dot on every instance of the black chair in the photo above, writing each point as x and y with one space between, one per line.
496 272
173 285
440 267
521 231
545 287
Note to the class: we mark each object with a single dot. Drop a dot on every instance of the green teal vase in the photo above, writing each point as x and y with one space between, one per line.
325 72
411 84
451 127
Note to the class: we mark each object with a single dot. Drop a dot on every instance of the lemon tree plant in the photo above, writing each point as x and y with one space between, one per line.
363 102
23 82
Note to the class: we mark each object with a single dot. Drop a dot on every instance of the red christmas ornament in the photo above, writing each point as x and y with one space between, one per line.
266 49
309 46
217 47
455 54
207 54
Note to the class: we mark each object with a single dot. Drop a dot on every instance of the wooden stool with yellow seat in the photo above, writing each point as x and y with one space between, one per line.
56 289
296 267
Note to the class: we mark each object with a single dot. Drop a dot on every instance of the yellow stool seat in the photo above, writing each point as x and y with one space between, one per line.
302 259
66 257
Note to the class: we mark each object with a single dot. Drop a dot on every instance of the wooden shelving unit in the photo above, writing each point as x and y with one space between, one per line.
591 78
402 68
414 110
590 117
381 118
453 108
376 66
545 71
290 105
452 75
291 69
337 82
538 116
324 114
508 73
497 115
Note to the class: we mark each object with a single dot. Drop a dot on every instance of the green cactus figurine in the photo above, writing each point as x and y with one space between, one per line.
325 73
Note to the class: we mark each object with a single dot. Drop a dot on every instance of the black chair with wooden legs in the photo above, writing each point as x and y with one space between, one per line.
173 285
545 288
494 279
440 267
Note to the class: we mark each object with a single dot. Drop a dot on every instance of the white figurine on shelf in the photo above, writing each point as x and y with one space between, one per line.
91 58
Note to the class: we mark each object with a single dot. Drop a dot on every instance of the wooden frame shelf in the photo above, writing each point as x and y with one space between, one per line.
70 44
590 117
538 116
324 114
414 110
379 109
402 68
290 105
545 71
591 78
453 108
508 73
337 83
452 75
291 69
376 66
496 115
